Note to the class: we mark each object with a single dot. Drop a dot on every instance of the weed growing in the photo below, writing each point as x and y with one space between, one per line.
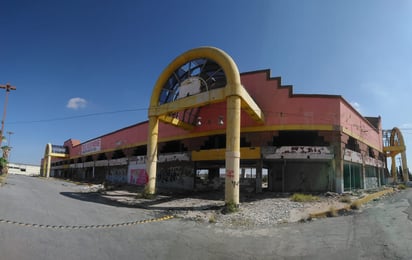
355 205
333 212
230 207
299 197
346 199
401 186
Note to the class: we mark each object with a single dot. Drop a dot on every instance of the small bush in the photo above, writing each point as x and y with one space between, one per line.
230 207
402 186
355 205
212 218
299 197
146 195
346 199
333 212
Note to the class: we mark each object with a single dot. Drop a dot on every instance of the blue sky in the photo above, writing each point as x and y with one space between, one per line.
107 55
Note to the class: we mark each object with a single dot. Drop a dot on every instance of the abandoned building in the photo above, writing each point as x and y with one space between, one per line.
301 142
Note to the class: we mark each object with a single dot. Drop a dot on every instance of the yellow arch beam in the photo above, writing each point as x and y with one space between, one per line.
48 154
233 93
394 148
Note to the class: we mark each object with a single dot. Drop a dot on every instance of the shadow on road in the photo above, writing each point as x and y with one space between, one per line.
172 201
160 202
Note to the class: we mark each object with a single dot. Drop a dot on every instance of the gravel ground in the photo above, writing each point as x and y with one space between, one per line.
263 209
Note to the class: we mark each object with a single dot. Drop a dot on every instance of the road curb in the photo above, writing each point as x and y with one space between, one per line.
61 227
366 199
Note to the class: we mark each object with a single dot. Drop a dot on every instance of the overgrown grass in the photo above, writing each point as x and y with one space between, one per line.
299 197
3 178
230 207
401 186
355 205
145 195
346 199
212 218
333 212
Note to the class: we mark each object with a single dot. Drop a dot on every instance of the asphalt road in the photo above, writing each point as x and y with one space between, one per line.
381 230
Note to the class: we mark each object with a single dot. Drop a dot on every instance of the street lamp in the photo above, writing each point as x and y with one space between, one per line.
9 144
7 87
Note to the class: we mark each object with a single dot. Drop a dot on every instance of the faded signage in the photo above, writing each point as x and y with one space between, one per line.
92 146
174 157
189 87
298 152
59 149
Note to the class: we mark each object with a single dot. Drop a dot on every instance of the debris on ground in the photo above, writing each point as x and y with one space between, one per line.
267 208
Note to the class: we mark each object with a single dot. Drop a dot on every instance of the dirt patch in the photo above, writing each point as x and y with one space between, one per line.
266 208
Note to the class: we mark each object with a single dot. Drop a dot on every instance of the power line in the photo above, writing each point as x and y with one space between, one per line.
75 117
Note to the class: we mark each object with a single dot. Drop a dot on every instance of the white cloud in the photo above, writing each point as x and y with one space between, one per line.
76 103
356 106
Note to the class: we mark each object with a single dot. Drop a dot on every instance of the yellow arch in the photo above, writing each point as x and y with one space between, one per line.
396 146
48 154
234 94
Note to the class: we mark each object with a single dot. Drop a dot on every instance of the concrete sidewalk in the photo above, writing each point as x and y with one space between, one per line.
354 205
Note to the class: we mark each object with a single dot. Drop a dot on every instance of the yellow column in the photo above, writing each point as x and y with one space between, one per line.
393 169
232 150
405 169
48 166
151 164
44 172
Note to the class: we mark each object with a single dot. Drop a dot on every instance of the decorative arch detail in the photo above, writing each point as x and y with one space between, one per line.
51 151
196 78
397 146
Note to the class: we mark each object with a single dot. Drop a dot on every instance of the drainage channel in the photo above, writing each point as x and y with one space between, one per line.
132 223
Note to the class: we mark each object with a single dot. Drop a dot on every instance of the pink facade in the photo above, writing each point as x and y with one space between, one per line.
280 107
306 143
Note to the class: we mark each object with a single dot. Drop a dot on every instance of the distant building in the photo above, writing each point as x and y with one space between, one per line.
24 169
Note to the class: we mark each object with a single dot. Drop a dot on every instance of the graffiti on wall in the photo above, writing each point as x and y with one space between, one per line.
137 175
117 175
171 174
175 176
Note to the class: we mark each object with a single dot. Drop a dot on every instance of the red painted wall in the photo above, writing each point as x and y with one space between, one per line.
279 105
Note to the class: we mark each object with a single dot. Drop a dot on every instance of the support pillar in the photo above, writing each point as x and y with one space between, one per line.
405 169
232 150
259 174
46 167
393 170
152 145
337 164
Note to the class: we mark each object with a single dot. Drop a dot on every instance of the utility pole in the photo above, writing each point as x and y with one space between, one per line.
7 87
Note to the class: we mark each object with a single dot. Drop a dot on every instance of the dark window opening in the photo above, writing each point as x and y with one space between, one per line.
353 145
371 152
140 150
89 158
118 154
214 142
102 156
173 147
244 143
299 138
